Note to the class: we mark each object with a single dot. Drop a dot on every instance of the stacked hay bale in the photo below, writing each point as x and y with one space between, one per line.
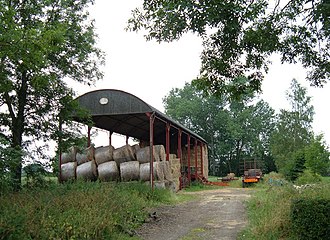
107 168
86 169
192 159
68 165
143 157
127 163
175 166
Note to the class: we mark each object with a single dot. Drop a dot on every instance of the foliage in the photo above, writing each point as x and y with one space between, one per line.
240 36
35 174
78 211
7 153
310 218
308 177
293 132
43 44
270 211
317 156
234 129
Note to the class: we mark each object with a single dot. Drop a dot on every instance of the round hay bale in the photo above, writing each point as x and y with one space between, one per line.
108 171
160 152
103 154
143 154
129 171
69 156
135 148
145 171
87 171
90 151
68 171
81 158
123 154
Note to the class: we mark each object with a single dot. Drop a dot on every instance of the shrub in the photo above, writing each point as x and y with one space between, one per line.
310 218
308 177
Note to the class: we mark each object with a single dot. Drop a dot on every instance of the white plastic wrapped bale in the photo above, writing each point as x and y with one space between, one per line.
145 171
69 156
103 154
143 154
129 171
87 171
108 171
123 154
68 171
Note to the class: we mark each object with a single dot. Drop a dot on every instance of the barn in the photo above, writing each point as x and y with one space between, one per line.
184 152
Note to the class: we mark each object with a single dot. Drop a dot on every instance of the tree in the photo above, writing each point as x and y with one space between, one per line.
317 156
239 36
293 132
42 45
234 130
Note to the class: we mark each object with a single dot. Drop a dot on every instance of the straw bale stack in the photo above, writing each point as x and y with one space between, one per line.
103 154
145 171
69 156
166 169
81 158
143 154
123 154
135 148
108 171
87 171
68 171
129 171
175 167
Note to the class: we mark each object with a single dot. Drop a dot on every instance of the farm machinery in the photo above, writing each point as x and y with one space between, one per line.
251 173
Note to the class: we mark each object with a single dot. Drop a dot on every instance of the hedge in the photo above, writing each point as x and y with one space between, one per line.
311 218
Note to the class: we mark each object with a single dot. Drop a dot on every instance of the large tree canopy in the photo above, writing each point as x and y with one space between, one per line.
239 37
42 43
235 130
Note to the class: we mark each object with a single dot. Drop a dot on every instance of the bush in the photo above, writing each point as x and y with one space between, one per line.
310 218
308 177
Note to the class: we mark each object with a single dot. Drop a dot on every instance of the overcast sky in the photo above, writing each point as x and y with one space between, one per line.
150 70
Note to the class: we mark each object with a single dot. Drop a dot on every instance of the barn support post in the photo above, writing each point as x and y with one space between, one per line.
110 138
151 146
196 165
180 156
189 177
168 128
202 170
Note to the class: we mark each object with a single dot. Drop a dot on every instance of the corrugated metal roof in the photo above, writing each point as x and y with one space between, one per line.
123 113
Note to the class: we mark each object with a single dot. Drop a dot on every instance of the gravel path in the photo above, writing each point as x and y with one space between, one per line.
213 214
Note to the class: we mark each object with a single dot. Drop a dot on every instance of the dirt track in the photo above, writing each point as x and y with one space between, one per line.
214 214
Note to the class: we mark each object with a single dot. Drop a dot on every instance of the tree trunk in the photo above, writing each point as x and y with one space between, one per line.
17 129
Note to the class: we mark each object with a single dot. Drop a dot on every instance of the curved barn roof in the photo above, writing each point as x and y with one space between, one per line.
123 113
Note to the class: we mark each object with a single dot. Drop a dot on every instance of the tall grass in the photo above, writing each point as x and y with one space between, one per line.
78 211
270 206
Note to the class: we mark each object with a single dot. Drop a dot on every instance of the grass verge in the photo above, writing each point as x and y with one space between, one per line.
79 211
270 207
